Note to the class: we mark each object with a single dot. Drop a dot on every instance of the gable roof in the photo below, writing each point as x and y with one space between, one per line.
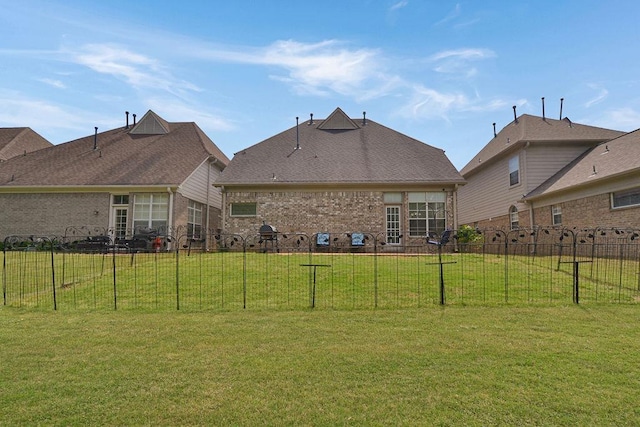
612 159
534 129
17 141
339 150
120 158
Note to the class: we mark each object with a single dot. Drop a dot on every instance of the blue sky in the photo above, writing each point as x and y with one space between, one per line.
439 71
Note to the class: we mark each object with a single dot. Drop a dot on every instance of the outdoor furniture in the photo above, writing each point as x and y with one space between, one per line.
268 237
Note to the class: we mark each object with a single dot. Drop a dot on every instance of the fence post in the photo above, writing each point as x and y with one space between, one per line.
53 277
178 272
115 292
244 274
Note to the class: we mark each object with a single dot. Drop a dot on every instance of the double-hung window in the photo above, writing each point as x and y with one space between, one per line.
194 220
556 214
427 213
151 212
514 170
514 220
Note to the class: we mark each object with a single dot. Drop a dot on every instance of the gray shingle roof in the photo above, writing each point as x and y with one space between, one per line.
535 129
121 158
620 156
334 152
16 141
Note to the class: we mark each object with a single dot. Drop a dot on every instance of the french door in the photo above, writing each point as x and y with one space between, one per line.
393 225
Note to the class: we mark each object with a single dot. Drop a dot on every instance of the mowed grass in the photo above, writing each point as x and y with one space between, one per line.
236 280
453 365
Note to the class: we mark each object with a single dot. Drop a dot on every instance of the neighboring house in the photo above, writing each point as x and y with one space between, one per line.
155 175
341 175
599 189
19 141
523 155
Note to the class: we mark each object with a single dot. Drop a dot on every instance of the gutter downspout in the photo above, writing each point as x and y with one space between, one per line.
455 212
455 207
170 221
206 233
223 220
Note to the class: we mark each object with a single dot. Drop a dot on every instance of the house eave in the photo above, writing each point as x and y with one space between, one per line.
32 189
280 186
586 184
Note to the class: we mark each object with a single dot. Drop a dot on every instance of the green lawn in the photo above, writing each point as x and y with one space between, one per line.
455 365
237 280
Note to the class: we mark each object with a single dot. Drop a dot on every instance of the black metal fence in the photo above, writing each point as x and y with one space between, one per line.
324 270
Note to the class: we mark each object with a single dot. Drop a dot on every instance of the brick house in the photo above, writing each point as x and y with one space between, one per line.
599 189
520 158
19 141
153 175
341 175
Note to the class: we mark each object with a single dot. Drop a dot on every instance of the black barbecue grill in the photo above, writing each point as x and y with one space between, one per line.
268 237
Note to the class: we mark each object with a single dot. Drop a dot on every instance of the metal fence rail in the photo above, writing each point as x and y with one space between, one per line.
325 270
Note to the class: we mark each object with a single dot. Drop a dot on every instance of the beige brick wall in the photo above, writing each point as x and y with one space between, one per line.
51 214
312 212
591 212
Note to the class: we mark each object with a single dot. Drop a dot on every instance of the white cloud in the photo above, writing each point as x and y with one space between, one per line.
463 54
431 104
52 82
622 119
19 110
602 94
135 69
458 61
312 68
451 15
398 5
181 111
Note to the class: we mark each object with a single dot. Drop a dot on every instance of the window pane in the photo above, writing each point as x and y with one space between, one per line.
243 209
626 198
436 197
514 168
514 178
417 197
417 227
392 197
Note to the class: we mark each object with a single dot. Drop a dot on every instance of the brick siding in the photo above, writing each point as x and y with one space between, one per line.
51 214
591 212
314 212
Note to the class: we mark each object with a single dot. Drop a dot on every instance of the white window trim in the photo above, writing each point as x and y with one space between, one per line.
630 190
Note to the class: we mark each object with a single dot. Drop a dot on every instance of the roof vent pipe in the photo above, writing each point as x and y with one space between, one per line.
561 100
311 119
364 118
127 114
134 119
297 135
515 117
95 138
543 118
494 130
